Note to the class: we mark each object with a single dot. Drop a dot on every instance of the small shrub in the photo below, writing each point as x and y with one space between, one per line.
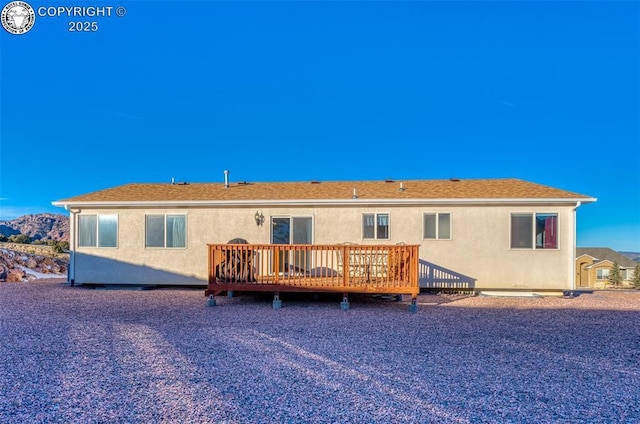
59 246
20 238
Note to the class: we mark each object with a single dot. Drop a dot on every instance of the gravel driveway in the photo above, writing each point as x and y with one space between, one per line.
78 355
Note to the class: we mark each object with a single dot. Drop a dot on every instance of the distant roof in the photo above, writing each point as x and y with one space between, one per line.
326 192
606 254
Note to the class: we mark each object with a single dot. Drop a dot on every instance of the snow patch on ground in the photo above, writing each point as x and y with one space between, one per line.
40 275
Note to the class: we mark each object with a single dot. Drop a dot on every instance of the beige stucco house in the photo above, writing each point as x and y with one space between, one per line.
500 234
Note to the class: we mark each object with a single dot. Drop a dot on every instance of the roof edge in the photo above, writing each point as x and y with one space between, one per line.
323 202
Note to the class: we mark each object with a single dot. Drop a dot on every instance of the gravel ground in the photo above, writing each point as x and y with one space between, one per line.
71 355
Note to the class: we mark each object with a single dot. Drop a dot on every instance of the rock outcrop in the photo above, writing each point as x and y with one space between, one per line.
16 266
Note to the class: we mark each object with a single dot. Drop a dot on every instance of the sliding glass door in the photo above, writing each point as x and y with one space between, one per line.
292 230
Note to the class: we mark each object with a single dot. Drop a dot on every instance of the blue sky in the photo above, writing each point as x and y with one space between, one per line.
280 91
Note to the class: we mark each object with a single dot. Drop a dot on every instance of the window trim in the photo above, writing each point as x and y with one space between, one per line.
603 271
534 216
437 215
291 218
165 232
625 273
375 225
97 235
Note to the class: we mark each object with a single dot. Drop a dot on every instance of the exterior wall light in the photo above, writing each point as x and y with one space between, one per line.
259 218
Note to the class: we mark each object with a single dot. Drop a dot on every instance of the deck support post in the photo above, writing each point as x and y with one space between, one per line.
211 301
413 307
277 303
344 305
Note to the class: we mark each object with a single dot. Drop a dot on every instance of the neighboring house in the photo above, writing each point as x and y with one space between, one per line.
473 234
594 264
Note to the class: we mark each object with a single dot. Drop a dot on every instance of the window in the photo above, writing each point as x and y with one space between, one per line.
375 226
165 231
437 226
97 230
602 274
529 231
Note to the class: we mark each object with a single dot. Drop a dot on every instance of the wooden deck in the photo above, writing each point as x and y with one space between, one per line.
343 268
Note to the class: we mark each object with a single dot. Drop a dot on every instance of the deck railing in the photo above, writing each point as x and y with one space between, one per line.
347 268
436 277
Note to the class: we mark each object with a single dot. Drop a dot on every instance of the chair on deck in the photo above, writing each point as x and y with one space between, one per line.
236 265
399 264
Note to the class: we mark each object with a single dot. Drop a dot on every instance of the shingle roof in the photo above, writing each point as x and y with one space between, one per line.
606 254
328 190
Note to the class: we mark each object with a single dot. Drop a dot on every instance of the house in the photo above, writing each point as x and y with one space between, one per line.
485 234
594 264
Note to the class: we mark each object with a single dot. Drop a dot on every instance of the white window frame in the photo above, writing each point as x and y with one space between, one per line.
97 235
165 232
291 229
375 225
437 216
602 274
534 216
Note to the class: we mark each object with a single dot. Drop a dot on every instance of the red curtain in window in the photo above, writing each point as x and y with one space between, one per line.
550 233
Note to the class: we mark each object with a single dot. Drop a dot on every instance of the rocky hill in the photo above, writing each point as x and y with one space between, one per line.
634 256
43 226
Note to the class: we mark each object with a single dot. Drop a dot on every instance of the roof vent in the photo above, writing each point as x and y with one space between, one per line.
389 180
174 182
354 195
315 182
402 186
226 179
455 180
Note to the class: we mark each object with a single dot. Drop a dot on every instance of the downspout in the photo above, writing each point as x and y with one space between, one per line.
575 242
71 272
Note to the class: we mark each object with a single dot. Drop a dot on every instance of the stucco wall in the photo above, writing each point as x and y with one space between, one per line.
479 248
